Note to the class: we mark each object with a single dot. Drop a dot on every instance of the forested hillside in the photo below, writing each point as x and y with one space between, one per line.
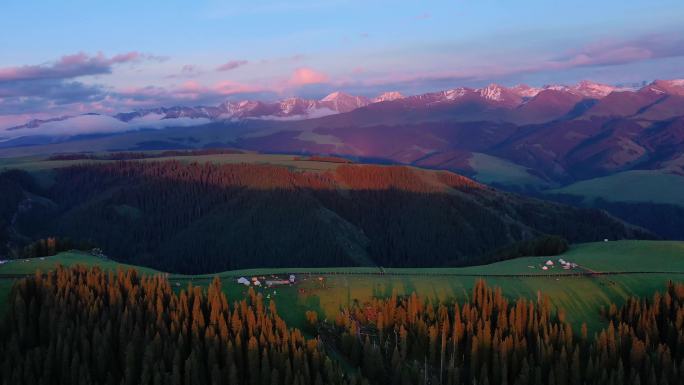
491 340
194 218
78 326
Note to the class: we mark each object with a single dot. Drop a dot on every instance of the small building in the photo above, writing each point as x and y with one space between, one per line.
243 281
549 263
545 268
277 282
2 261
292 278
257 283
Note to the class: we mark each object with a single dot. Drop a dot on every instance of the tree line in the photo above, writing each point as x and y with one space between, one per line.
85 326
491 340
130 155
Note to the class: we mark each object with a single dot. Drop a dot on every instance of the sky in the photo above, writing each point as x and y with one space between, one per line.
76 56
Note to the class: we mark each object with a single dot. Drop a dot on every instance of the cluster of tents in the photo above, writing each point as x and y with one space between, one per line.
275 281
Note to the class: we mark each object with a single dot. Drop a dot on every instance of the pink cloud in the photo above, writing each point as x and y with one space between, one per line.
231 65
231 88
304 75
596 54
71 66
615 52
195 90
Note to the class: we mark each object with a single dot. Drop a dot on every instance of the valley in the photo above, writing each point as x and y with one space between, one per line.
342 192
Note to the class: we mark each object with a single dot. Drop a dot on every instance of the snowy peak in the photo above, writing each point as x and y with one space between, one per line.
337 95
296 106
593 90
585 89
500 95
557 87
388 97
455 93
341 102
672 87
525 91
493 92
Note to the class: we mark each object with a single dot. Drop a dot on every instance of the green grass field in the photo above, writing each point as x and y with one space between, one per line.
630 186
580 296
490 169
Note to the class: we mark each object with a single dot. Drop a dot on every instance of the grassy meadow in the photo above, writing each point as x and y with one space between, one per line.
326 290
489 169
630 186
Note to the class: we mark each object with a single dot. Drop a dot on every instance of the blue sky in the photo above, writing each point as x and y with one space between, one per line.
170 51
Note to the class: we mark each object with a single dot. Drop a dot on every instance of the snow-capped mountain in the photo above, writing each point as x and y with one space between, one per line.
341 102
673 87
544 102
453 94
387 97
593 90
586 89
525 91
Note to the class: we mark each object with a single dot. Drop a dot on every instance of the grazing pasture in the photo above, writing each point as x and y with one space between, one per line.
606 272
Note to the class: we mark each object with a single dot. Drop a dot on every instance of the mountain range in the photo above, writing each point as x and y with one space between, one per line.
521 104
286 109
589 144
549 136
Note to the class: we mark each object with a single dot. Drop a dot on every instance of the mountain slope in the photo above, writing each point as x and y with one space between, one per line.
190 217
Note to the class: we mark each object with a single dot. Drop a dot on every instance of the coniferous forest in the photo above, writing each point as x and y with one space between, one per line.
80 326
491 340
199 218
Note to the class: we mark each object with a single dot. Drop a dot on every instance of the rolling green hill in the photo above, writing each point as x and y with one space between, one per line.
501 172
630 186
643 264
